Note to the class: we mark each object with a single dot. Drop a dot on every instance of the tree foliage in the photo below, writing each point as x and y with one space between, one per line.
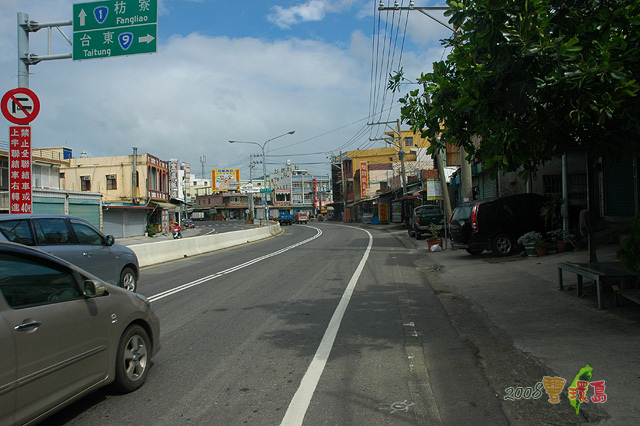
534 79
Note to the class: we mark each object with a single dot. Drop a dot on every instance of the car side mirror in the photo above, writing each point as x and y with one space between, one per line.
94 288
110 240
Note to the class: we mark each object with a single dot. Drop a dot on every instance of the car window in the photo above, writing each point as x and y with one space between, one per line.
516 205
86 234
462 212
428 209
52 231
26 282
17 231
487 210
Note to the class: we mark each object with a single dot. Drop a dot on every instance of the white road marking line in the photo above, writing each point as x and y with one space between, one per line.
302 398
203 280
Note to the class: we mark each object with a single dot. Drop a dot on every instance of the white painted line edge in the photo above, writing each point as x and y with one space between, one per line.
302 398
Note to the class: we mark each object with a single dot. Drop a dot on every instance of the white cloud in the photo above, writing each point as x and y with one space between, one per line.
195 94
313 10
199 91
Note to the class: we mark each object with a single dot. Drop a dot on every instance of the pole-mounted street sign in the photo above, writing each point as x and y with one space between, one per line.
108 28
20 106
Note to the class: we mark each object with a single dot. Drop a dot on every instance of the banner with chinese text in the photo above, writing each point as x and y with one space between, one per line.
364 179
20 169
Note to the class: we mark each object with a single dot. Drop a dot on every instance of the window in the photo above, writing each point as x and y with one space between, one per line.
552 185
111 182
32 282
408 141
86 235
85 183
51 231
17 231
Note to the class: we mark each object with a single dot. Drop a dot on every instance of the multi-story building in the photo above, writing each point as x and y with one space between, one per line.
134 188
298 190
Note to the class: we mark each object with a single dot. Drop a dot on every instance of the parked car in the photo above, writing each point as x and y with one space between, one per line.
422 217
64 333
366 218
188 224
77 241
496 224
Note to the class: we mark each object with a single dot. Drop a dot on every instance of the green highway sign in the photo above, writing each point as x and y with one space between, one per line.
114 13
115 42
103 29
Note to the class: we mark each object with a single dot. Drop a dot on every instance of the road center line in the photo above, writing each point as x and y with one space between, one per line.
203 280
302 398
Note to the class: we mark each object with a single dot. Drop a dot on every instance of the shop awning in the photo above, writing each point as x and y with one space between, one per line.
163 205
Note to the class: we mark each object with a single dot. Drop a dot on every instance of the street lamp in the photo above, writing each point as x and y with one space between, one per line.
264 166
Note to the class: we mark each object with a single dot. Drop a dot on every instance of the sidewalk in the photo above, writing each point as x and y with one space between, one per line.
525 328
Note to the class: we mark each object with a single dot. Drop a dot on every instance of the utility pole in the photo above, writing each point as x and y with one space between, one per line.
251 213
466 180
401 155
344 190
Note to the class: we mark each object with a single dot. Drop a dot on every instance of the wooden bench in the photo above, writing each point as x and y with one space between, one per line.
602 274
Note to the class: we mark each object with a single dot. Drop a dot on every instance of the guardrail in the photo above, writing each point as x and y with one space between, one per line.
165 251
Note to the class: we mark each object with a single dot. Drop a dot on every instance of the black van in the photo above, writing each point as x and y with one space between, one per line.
496 223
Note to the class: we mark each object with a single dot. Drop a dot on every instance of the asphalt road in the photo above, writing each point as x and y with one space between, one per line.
328 323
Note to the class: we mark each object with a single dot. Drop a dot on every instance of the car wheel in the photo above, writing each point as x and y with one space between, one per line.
128 280
502 245
474 252
418 234
132 362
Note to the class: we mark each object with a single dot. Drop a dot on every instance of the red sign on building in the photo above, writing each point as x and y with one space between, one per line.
364 179
20 169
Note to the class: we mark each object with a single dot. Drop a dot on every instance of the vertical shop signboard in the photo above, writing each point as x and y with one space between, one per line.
364 179
20 169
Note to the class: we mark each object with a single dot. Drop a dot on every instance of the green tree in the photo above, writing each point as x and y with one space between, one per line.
533 79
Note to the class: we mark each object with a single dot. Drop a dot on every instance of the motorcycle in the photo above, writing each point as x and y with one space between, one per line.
176 232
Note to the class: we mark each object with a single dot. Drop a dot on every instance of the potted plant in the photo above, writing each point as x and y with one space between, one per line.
562 238
551 212
434 238
531 241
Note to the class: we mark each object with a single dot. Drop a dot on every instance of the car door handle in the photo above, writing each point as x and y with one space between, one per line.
28 325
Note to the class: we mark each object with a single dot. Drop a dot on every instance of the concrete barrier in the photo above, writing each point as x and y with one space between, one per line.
164 251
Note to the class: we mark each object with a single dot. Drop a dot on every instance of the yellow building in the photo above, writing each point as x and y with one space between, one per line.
130 199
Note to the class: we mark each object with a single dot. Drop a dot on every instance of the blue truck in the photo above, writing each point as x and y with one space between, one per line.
285 218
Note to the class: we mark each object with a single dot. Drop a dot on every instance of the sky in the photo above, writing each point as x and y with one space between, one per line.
247 70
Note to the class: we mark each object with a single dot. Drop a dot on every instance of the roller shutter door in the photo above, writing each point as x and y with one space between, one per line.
48 205
87 209
135 223
489 187
112 220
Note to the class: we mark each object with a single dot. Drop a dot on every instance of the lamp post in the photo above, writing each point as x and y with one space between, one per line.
264 166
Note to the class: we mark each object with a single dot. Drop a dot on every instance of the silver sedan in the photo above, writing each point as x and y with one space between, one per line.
65 333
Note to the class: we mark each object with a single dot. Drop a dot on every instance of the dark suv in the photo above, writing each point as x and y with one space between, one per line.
496 223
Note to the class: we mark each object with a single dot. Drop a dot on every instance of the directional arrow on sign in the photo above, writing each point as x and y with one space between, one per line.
146 39
82 15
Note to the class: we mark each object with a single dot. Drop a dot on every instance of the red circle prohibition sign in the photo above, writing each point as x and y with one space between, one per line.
20 106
